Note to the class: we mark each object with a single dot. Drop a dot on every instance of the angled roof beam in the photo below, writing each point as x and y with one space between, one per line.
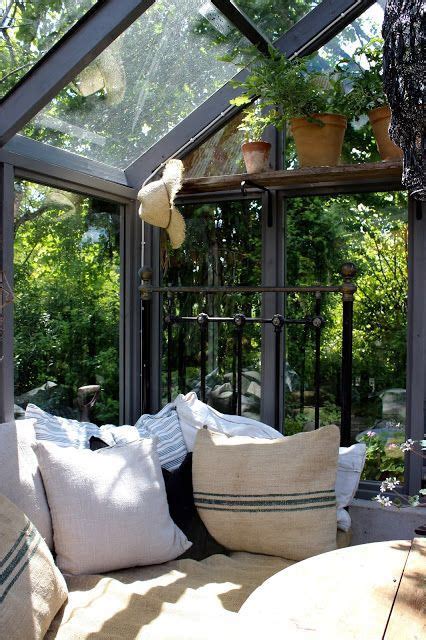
74 51
243 23
320 25
46 164
306 36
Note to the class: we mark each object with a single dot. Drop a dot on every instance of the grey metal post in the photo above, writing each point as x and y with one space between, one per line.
130 362
416 347
272 303
146 278
348 289
152 361
6 314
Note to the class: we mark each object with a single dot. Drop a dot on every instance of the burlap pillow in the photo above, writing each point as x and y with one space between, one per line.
20 478
274 497
32 590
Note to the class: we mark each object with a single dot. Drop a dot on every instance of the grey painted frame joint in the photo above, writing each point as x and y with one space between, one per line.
416 346
7 198
243 23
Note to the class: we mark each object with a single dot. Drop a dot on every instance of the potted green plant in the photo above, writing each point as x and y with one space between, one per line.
256 151
287 90
363 74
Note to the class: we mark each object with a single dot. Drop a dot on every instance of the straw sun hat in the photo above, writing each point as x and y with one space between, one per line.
157 206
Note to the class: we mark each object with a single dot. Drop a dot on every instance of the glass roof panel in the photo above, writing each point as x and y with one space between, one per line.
150 78
356 34
218 155
275 17
358 145
28 29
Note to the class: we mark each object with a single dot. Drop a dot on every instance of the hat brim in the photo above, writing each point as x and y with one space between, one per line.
176 229
173 177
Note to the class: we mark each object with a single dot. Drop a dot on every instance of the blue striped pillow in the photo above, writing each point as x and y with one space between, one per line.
165 428
62 431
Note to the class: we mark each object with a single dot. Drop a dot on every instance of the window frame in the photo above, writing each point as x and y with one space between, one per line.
129 329
273 274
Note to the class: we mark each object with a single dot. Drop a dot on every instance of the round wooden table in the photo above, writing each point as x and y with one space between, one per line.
367 592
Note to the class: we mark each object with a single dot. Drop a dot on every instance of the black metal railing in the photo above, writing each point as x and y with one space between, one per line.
239 321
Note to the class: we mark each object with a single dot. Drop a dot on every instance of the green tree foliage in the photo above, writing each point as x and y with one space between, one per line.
66 295
28 29
271 17
222 247
371 231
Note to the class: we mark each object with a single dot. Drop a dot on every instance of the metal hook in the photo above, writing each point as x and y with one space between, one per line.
255 185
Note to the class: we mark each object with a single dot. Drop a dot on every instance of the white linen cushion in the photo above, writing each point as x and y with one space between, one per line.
349 468
194 415
109 507
20 478
165 428
111 434
64 432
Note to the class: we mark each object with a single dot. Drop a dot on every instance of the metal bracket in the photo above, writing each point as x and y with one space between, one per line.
255 185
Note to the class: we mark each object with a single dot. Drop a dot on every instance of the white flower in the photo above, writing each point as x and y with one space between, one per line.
384 501
408 445
389 484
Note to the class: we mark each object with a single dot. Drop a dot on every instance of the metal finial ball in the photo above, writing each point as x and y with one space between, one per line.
348 270
145 273
277 320
239 320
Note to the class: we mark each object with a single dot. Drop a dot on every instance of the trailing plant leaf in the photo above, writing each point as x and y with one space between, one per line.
285 89
254 123
362 75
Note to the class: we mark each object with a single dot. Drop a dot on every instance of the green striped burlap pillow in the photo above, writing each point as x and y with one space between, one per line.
32 589
275 497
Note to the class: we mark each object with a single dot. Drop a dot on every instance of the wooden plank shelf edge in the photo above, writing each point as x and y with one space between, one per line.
373 173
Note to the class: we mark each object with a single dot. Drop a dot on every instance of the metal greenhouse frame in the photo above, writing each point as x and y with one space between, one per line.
21 157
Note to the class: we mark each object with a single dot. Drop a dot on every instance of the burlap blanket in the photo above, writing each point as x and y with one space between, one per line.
180 600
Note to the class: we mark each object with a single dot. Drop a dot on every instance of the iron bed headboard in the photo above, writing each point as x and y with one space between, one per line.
239 321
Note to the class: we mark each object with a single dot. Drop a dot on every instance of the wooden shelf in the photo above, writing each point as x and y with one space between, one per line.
383 174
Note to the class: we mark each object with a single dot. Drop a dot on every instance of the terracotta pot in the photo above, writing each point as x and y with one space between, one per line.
380 121
256 156
319 145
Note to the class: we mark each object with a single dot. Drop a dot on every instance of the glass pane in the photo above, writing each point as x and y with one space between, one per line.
356 34
359 143
67 302
29 30
219 155
275 17
371 231
222 247
149 79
